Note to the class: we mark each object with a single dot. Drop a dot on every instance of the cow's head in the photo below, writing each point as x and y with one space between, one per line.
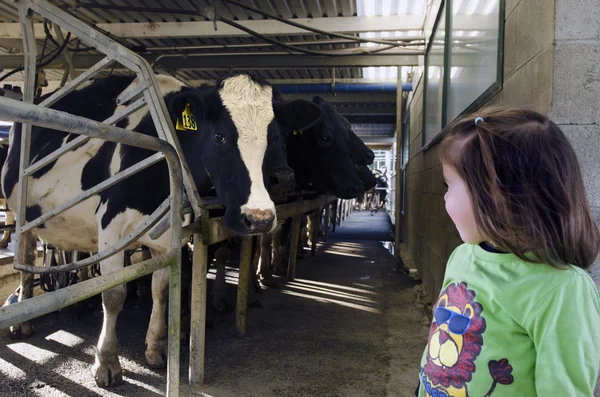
359 152
366 176
229 147
327 150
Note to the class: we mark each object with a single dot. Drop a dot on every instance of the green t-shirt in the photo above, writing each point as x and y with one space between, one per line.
511 328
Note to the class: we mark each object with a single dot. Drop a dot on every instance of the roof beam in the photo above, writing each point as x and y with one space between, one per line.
358 24
231 62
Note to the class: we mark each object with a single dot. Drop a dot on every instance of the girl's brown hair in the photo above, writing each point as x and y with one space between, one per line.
526 185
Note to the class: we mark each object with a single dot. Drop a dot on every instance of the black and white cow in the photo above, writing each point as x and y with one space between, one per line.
228 152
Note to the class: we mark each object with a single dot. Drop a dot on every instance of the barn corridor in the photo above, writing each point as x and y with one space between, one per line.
348 325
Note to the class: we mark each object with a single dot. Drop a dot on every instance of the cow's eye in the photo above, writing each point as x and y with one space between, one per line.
219 138
325 138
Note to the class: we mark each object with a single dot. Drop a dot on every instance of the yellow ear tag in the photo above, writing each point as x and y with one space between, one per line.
297 132
188 120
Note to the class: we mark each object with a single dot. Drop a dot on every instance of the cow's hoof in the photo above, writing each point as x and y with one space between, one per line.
109 373
21 331
156 356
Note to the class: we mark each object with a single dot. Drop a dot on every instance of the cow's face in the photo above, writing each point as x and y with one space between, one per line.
234 128
359 152
334 169
366 176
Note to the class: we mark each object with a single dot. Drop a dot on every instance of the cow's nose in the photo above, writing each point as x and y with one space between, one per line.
282 181
258 221
370 157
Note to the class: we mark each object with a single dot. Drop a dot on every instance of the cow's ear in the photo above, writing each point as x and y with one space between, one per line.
199 103
297 115
318 100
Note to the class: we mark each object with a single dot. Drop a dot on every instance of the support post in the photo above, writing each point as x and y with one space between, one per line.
335 215
399 150
198 312
314 233
327 221
296 225
243 285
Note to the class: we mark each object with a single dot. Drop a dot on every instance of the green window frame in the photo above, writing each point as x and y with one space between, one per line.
446 11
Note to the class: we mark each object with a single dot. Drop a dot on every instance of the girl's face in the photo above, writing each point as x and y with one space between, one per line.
460 207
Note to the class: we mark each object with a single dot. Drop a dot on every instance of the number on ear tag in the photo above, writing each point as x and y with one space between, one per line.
189 122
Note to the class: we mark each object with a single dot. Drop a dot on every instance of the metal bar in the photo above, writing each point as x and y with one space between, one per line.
22 112
243 286
127 96
120 115
79 80
296 225
198 312
75 143
52 301
88 35
121 244
134 169
65 54
314 235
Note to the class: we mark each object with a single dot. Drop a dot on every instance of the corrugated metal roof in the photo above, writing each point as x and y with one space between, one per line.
289 9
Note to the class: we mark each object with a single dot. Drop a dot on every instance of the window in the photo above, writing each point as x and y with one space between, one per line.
463 68
475 54
433 95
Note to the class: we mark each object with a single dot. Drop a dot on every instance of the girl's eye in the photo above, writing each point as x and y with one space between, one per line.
219 138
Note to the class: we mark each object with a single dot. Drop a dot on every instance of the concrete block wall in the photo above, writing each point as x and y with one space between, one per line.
529 80
576 92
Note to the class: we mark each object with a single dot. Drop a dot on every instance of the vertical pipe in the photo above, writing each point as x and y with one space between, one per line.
399 150
296 225
314 233
327 220
198 312
243 285
30 48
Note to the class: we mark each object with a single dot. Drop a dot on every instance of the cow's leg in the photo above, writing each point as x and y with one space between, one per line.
219 292
107 369
156 337
24 329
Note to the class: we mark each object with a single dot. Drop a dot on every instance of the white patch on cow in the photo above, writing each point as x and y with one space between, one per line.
250 106
115 162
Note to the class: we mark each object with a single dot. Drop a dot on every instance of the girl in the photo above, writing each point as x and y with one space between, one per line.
517 314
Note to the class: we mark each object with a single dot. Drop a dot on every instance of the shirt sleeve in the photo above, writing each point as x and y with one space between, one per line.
565 329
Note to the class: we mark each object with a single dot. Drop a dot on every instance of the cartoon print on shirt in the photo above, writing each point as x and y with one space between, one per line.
455 341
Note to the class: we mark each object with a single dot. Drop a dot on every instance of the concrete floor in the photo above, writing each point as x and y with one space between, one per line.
349 325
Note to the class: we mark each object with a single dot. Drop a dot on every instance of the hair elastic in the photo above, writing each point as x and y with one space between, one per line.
478 119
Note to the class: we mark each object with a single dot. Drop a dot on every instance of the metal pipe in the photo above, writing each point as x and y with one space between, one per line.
52 301
341 87
118 177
